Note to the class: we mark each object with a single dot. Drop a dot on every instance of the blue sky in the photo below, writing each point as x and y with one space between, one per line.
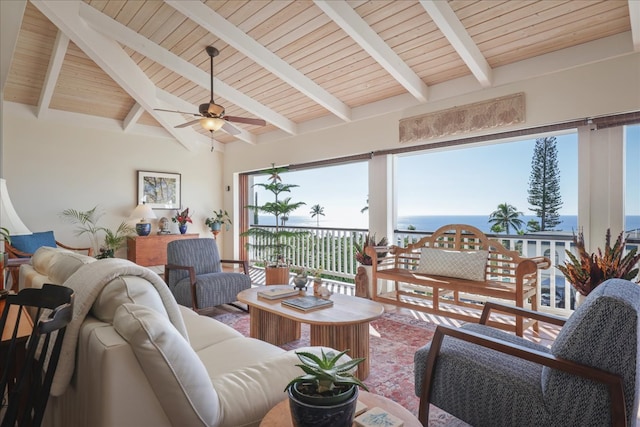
466 181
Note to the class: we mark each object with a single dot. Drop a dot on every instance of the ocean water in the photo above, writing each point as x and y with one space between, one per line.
432 222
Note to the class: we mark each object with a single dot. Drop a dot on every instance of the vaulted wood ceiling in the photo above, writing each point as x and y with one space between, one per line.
289 62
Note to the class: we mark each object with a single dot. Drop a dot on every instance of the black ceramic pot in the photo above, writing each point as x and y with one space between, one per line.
334 411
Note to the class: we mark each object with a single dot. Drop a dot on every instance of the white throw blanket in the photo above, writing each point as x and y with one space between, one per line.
87 283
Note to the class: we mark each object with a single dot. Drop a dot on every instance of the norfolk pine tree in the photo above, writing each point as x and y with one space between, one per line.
544 185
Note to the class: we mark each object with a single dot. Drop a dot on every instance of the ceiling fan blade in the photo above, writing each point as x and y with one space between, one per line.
176 111
246 120
184 125
230 129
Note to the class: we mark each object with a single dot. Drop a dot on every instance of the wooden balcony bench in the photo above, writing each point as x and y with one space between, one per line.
458 265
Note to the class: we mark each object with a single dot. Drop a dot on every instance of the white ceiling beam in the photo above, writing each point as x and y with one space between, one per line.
166 58
180 104
113 60
447 21
53 72
216 24
634 16
356 27
11 13
132 117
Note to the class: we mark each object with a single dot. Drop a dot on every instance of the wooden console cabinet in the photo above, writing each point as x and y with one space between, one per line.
151 250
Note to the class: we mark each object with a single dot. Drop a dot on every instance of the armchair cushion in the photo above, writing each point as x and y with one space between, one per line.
29 243
212 289
176 374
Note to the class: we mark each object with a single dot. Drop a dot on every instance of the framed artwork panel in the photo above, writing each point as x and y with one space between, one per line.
159 190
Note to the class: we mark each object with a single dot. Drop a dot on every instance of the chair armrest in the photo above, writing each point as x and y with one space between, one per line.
190 269
71 248
15 253
541 261
245 264
518 311
612 381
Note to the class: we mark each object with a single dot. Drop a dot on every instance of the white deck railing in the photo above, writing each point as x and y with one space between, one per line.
333 250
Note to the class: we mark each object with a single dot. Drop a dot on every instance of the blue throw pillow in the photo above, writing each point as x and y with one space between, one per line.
29 243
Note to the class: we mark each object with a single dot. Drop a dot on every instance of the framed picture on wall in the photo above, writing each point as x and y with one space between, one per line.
159 190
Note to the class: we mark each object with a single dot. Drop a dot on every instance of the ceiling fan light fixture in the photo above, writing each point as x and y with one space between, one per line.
211 124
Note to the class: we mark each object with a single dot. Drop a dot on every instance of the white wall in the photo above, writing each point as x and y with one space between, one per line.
51 166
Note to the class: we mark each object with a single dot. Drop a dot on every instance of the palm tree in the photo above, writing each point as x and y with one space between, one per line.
316 211
506 216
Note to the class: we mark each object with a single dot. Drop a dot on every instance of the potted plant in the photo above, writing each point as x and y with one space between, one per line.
272 244
87 222
586 271
218 219
114 240
301 278
327 393
182 218
364 286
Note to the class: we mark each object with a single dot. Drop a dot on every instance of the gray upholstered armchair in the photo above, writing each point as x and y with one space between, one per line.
195 277
589 376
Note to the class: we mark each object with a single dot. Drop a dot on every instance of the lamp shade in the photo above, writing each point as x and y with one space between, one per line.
9 219
144 212
211 123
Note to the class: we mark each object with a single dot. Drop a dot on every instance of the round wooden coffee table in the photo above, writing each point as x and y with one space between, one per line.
280 415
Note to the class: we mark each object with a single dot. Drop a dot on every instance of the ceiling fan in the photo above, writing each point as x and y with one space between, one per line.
211 115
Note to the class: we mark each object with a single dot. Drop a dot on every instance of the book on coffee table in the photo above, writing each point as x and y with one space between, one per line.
307 303
277 293
377 417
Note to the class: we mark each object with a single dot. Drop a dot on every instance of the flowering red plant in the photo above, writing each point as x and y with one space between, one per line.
182 217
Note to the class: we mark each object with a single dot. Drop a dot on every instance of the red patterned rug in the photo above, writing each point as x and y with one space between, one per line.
394 339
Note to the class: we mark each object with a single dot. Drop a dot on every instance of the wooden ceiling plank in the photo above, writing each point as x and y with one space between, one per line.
446 19
216 24
112 59
167 59
11 15
356 28
53 72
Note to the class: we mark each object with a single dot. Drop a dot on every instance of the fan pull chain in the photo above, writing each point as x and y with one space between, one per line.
211 140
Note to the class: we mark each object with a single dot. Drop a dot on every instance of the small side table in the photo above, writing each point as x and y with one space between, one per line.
280 415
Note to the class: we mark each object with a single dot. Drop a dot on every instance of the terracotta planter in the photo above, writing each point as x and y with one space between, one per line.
276 275
364 285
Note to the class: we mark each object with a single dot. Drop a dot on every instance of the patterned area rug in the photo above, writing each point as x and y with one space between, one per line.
394 339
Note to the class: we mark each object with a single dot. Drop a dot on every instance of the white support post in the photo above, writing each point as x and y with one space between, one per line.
600 184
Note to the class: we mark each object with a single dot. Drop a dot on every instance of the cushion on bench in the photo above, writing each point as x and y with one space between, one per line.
470 265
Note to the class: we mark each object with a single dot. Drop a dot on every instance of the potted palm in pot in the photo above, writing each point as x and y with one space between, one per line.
327 394
272 244
586 271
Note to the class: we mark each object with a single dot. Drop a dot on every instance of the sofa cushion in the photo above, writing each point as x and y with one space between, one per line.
42 257
64 264
470 265
126 289
204 331
29 243
173 369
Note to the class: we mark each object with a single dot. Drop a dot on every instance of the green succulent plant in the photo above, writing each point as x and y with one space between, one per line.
586 271
6 235
325 372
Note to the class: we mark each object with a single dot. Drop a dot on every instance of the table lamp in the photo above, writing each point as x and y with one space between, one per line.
144 212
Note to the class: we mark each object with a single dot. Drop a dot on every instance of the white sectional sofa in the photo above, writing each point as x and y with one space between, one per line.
133 357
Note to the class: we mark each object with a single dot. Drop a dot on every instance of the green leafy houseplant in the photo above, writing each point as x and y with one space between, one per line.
586 271
87 223
218 219
327 385
361 247
272 244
